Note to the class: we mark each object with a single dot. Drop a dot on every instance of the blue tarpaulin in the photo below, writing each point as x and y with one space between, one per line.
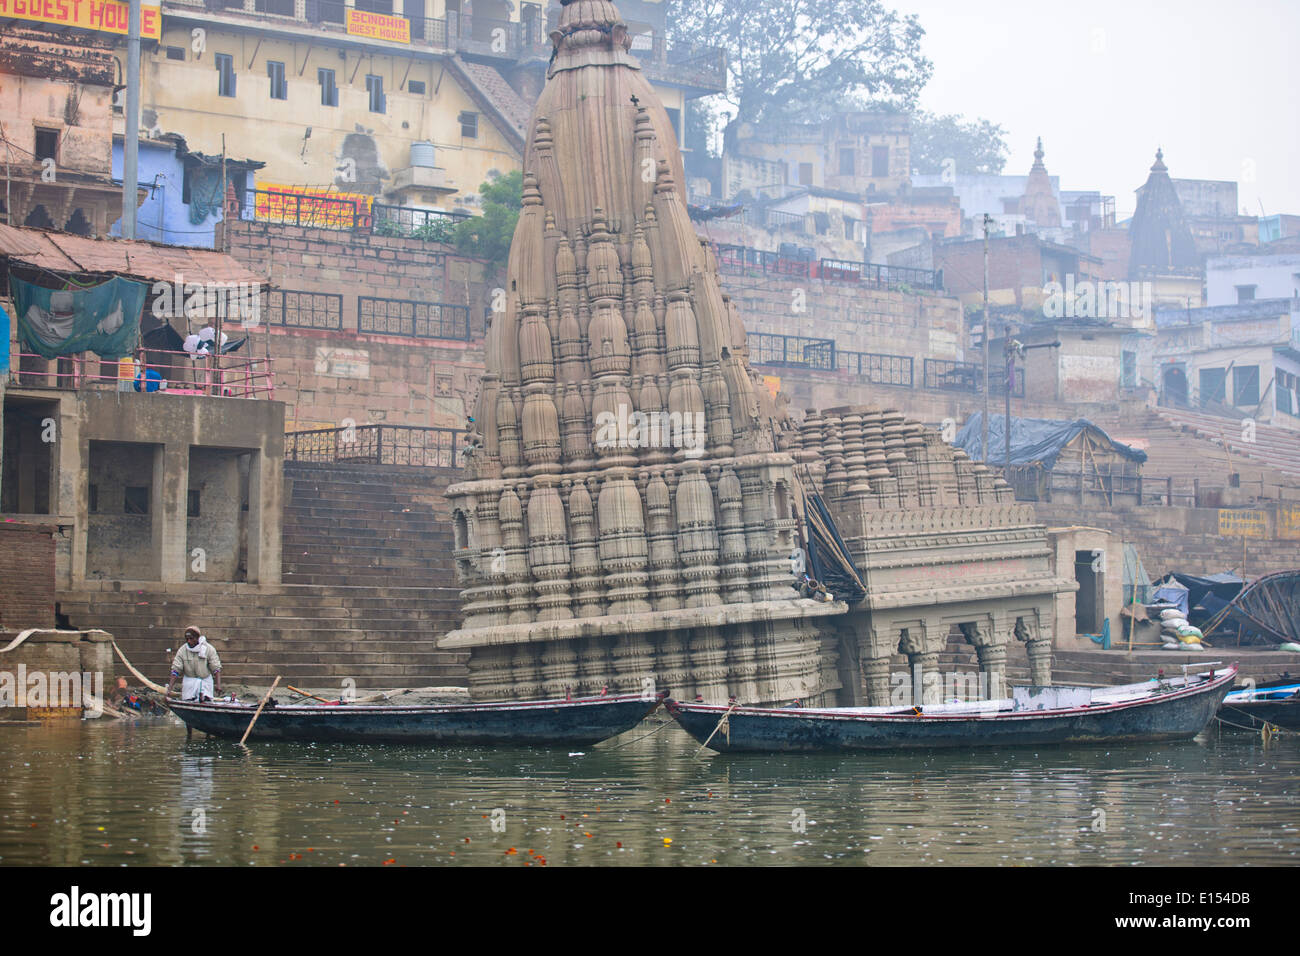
102 318
1034 441
4 340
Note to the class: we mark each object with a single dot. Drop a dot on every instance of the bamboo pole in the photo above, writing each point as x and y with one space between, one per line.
274 685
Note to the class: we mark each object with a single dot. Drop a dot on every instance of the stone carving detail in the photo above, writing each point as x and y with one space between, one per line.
628 514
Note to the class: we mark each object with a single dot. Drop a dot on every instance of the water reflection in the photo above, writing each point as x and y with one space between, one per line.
111 794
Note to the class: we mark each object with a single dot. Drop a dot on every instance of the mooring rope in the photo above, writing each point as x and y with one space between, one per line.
717 728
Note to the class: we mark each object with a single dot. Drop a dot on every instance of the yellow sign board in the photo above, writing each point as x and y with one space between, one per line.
1245 523
107 16
773 383
1288 522
309 206
378 26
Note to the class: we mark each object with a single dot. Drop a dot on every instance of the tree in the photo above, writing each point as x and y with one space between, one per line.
800 60
972 146
488 236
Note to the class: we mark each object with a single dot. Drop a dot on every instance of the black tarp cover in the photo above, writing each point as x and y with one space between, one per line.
829 558
1034 441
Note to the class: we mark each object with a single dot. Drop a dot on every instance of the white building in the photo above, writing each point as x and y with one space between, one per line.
1230 280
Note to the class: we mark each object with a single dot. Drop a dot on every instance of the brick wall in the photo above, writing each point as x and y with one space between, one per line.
26 575
1181 539
327 374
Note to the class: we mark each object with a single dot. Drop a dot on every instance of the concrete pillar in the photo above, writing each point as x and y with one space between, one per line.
993 664
876 674
79 506
1040 660
264 490
169 498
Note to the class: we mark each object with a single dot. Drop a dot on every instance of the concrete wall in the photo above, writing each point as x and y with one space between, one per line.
119 545
326 376
1274 277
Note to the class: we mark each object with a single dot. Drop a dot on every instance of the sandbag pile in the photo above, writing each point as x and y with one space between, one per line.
1177 634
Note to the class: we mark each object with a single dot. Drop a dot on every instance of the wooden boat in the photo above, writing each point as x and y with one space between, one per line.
570 722
1168 709
1276 704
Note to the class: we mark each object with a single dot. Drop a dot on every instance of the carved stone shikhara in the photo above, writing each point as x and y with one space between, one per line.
650 562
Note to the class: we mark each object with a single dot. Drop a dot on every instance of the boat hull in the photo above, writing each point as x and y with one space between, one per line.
1175 716
1254 714
548 722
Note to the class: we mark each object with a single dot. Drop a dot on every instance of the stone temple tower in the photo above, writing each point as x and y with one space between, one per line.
628 519
632 505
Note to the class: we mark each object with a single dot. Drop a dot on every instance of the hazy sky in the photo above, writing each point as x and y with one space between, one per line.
1105 82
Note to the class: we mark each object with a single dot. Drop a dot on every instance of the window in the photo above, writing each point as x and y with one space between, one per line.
275 73
1245 293
1128 369
47 144
416 87
192 504
879 161
176 53
846 162
375 87
469 125
225 74
136 500
805 174
1245 386
329 93
94 498
1213 385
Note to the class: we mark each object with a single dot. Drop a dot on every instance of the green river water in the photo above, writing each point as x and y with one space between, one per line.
110 794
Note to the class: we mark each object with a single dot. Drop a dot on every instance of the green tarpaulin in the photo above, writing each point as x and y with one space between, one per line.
104 319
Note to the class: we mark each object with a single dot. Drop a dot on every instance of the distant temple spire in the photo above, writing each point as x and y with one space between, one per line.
1161 242
1039 204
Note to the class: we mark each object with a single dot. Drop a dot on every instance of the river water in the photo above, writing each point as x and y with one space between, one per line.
106 793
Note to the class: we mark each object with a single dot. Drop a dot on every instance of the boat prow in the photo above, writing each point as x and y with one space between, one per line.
1157 710
562 722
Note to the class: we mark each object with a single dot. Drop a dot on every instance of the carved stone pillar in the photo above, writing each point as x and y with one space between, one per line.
708 657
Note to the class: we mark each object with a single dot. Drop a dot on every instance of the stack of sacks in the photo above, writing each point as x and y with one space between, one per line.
1178 634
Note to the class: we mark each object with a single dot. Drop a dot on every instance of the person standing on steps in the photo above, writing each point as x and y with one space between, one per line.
198 666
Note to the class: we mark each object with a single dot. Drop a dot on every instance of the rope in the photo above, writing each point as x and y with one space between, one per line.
1267 730
717 728
138 676
666 723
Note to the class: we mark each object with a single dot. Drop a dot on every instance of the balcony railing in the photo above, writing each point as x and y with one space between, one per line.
744 260
421 446
792 350
349 213
410 317
877 368
156 371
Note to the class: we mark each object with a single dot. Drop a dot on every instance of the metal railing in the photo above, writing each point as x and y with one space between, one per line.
421 446
305 310
408 222
877 368
792 350
153 370
351 213
408 317
744 260
953 376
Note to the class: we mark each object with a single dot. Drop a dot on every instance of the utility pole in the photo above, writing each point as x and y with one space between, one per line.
984 437
131 133
1011 348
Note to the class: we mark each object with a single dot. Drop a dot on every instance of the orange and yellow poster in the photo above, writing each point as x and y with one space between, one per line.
378 26
305 206
108 16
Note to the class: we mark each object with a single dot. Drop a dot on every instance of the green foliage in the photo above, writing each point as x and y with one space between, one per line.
488 236
389 228
803 61
437 229
974 146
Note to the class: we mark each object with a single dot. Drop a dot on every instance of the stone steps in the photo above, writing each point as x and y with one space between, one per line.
380 637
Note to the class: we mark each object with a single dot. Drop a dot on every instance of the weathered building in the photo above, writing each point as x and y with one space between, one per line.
635 499
56 91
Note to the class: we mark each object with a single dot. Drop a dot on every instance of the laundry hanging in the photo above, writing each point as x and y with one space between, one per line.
103 318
